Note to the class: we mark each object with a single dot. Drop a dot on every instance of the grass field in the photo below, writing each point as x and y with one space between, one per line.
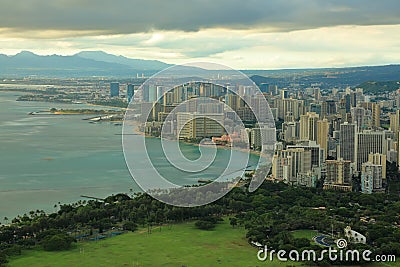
177 245
181 245
309 234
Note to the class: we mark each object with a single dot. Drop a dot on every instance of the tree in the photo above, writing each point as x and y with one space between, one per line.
233 221
204 225
3 259
130 226
57 242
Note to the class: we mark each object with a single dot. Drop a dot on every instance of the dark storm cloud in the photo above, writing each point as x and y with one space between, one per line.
132 16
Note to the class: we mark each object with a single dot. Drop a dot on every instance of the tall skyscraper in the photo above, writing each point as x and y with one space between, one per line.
130 91
376 115
316 155
398 150
308 126
290 131
369 142
331 107
295 161
358 116
114 89
317 93
284 94
395 122
152 93
293 106
347 141
262 137
145 92
323 135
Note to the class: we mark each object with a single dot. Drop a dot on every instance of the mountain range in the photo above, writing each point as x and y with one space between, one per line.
83 63
99 63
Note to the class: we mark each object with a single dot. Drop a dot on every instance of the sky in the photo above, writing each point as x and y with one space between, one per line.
251 34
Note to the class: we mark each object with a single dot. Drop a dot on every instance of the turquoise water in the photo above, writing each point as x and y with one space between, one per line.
49 159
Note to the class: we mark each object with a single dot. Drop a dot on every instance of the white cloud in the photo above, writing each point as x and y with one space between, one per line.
322 47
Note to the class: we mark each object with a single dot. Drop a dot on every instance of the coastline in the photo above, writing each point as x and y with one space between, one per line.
244 150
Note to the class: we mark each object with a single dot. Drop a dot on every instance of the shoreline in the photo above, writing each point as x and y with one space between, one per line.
244 150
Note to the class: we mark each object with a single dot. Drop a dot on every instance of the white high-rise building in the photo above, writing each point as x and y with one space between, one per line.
294 161
196 125
371 178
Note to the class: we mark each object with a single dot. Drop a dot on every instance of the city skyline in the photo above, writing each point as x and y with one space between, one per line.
251 35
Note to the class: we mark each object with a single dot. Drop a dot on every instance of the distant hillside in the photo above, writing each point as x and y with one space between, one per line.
82 64
139 64
98 63
379 87
327 78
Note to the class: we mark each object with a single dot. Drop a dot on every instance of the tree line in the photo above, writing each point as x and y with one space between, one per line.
269 216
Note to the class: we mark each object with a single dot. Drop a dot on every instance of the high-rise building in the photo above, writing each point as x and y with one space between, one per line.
378 159
145 92
160 91
371 178
317 157
114 89
284 94
358 117
338 173
347 145
192 125
262 137
152 93
331 107
317 93
369 142
395 122
376 115
293 106
398 150
317 108
347 102
168 99
291 131
130 92
295 161
308 126
273 89
323 135
264 87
